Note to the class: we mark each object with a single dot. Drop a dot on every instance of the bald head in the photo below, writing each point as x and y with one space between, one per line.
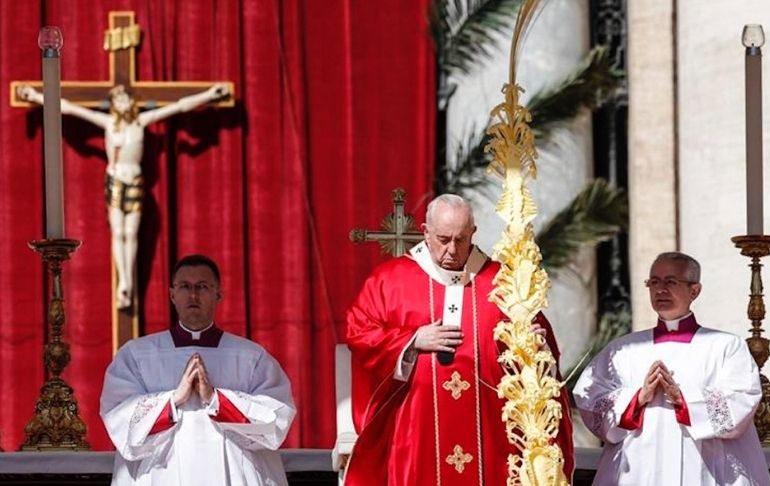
448 230
445 202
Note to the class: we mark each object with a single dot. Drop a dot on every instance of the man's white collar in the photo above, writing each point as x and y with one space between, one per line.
476 260
196 335
673 325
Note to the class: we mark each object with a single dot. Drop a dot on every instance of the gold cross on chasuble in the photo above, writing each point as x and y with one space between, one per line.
458 459
456 385
398 233
121 40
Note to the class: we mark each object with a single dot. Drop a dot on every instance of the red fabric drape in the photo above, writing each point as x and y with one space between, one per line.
335 105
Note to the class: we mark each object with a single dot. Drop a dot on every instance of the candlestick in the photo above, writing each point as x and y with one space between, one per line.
56 424
50 41
753 38
757 247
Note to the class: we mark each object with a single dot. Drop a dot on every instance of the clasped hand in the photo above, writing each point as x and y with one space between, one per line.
195 379
660 380
437 337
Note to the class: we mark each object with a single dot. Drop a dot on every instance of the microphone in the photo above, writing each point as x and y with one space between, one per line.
445 357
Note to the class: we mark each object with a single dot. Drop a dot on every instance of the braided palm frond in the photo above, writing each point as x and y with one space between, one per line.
596 214
531 412
588 87
465 31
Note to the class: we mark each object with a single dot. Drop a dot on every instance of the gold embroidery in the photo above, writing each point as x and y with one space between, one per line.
456 385
458 459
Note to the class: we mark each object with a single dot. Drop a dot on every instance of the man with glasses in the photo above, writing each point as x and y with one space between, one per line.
195 405
674 404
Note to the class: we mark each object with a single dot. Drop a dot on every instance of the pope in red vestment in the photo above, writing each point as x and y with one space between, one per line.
421 422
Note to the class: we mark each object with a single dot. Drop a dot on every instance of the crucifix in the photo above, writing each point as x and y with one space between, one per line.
398 232
124 128
121 41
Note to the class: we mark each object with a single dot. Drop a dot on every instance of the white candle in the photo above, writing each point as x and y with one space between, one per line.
753 39
50 42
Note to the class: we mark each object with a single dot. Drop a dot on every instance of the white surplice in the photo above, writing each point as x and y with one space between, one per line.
196 450
720 385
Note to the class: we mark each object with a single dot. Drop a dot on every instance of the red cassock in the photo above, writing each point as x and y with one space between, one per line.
444 425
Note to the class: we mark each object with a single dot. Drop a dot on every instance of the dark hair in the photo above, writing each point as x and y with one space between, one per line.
196 261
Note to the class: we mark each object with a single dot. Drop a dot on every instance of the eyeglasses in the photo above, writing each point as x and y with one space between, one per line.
200 287
667 283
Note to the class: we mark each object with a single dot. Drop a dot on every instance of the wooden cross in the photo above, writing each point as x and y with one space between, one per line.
398 233
121 41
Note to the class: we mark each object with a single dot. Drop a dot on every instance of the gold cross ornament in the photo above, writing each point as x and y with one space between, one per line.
456 385
459 459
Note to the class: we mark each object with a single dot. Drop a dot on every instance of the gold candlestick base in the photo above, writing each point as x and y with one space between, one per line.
56 424
756 247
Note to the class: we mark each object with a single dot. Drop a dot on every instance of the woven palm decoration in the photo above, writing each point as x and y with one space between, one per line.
531 412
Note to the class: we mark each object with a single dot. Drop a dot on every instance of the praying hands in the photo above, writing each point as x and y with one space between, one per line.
659 378
194 380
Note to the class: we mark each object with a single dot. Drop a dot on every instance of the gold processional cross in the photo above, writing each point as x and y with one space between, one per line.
397 236
121 41
398 232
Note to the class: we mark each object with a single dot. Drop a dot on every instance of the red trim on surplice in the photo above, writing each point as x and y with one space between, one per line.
228 412
633 415
164 421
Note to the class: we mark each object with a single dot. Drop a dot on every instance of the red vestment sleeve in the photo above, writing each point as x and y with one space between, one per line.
376 339
633 416
164 421
682 413
228 412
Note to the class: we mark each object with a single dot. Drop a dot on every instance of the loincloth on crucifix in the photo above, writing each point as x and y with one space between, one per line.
122 195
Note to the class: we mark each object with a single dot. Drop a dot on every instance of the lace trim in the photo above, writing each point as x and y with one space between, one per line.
738 467
718 411
243 395
601 407
145 405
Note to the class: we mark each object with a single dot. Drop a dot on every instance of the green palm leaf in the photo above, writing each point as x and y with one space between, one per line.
596 214
588 87
465 31
468 172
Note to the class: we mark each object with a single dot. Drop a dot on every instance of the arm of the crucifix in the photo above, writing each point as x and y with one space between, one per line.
28 93
187 103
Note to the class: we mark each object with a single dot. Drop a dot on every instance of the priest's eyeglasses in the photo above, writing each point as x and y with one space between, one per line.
199 288
667 283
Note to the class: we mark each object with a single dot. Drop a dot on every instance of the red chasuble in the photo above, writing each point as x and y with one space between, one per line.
444 425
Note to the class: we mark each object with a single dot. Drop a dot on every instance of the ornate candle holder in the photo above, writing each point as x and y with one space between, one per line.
56 424
756 247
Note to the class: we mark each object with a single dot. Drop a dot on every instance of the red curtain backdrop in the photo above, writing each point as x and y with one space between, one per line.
335 108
